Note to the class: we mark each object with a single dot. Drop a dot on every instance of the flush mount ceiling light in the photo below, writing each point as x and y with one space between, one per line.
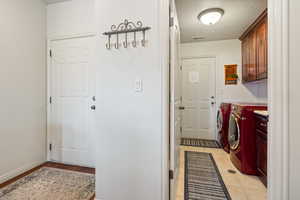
211 16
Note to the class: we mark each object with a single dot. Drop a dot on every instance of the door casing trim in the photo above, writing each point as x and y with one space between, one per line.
278 87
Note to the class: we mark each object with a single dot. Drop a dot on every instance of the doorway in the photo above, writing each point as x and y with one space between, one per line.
71 107
204 81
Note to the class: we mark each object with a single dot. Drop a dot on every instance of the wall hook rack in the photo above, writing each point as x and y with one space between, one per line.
125 28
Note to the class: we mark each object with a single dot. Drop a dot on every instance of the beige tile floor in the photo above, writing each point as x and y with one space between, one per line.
240 186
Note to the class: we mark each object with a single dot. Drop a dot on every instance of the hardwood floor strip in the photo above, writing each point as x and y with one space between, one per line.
93 197
12 180
70 167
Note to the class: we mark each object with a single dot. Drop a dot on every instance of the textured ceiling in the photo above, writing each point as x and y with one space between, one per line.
239 14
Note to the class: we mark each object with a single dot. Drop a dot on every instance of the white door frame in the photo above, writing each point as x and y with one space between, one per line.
216 98
278 68
175 63
49 40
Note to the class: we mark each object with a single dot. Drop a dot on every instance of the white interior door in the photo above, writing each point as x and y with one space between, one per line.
72 92
175 102
198 98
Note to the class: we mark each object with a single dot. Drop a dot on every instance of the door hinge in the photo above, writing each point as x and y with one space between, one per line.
50 53
171 174
180 67
171 21
50 100
180 129
50 147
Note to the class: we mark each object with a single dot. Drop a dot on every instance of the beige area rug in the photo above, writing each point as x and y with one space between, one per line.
51 184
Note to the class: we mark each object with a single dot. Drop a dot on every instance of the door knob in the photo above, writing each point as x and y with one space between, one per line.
212 103
93 107
181 107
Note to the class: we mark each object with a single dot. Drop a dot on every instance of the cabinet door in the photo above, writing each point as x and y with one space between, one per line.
252 67
262 152
262 51
245 58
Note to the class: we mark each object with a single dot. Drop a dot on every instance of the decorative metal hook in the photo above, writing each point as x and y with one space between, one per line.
144 39
108 45
125 28
117 43
134 41
125 44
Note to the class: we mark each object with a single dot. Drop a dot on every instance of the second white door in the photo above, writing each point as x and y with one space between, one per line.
72 109
198 98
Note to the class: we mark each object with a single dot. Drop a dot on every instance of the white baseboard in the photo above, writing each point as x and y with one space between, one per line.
18 171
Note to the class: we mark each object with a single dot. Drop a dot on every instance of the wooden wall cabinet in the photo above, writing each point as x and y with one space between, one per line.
255 50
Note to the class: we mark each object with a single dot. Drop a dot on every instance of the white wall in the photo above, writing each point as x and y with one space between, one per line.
294 99
22 86
75 17
227 52
131 130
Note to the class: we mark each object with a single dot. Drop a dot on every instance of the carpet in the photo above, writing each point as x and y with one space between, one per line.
200 143
202 178
51 184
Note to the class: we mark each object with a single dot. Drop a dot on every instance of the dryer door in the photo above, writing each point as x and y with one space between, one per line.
219 120
234 133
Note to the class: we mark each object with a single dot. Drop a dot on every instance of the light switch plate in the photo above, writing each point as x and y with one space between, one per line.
138 85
